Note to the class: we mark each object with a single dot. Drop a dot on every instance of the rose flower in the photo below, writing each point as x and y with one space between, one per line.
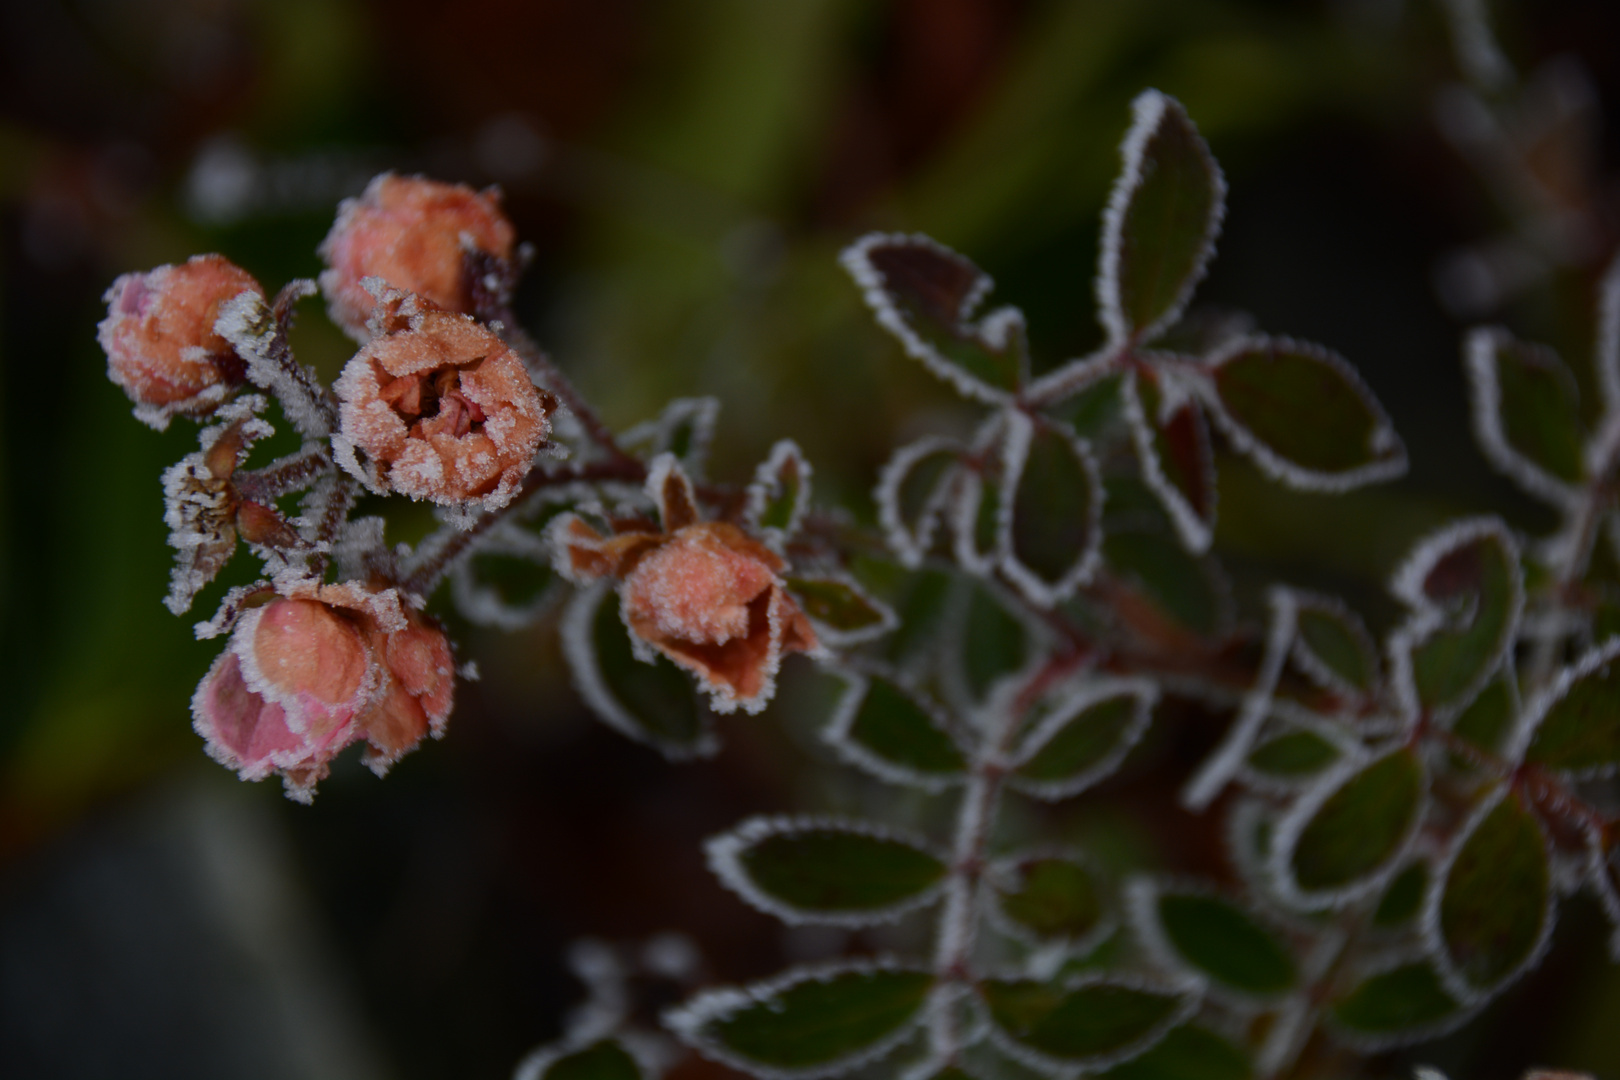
319 667
415 234
705 594
160 340
441 407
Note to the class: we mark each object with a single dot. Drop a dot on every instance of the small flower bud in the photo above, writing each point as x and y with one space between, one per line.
415 234
441 408
418 682
160 340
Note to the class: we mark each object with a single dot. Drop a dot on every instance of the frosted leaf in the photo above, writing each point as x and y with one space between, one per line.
1603 875
1190 927
651 703
807 1022
1159 229
926 295
1525 414
976 498
888 729
1394 999
1571 725
1078 735
483 602
1293 752
1085 1023
1608 339
912 492
1171 438
843 614
1466 591
827 871
1227 758
671 492
259 336
1302 414
1050 897
685 428
779 496
1049 515
988 641
1332 647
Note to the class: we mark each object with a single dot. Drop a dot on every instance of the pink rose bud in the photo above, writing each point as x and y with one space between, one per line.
441 409
160 340
415 234
418 683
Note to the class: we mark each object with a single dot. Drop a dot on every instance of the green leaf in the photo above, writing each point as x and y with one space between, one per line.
1180 586
1338 839
824 870
1333 646
1048 541
926 296
884 729
1409 1000
780 493
993 642
841 607
1094 408
1190 1052
1526 413
807 1023
1092 1022
605 1060
1302 414
1466 589
912 491
1577 724
1160 227
1293 755
1177 461
1495 901
1214 937
1488 720
1049 897
652 703
1403 898
1080 737
685 428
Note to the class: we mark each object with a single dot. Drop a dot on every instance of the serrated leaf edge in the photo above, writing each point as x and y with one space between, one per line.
1142 893
1314 667
576 635
1148 110
1371 968
1083 696
1535 711
687 1020
1429 915
654 435
1004 867
1288 827
833 637
837 735
912 543
992 329
1384 439
1014 455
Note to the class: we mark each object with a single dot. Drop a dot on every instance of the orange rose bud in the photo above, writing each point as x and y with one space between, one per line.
160 340
440 407
415 234
418 682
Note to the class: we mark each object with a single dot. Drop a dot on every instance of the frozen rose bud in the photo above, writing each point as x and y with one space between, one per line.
160 340
418 684
416 234
441 409
704 594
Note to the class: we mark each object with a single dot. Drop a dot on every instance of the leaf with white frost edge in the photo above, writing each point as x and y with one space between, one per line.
710 1021
1018 511
897 735
1184 433
1569 726
1265 975
1226 760
1485 349
910 530
1332 647
1170 192
1060 758
1431 1010
1359 872
977 496
843 613
846 872
1282 434
481 602
685 428
1603 877
926 295
1430 619
582 631
779 495
987 641
1608 339
1291 736
1491 899
1012 889
1143 1011
250 325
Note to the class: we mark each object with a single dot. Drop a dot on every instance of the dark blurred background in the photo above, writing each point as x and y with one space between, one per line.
687 172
